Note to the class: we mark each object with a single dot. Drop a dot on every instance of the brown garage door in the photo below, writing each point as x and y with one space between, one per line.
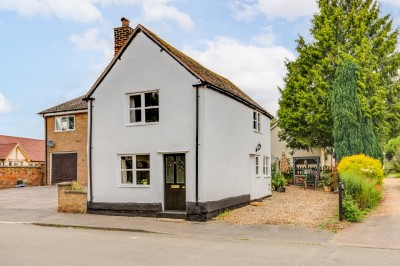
64 167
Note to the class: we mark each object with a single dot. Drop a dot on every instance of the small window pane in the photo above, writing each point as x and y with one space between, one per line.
180 169
64 123
136 116
255 124
143 177
142 161
58 124
169 169
151 99
126 177
151 115
135 101
126 162
71 122
254 115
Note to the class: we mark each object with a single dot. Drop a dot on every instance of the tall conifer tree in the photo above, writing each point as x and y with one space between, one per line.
346 112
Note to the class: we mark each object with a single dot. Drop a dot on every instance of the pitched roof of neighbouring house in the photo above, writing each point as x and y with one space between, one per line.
76 104
5 150
204 74
34 148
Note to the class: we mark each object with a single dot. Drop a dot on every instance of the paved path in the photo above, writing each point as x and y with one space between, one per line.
382 228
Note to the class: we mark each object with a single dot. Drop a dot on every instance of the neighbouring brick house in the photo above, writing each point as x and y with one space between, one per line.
66 139
21 159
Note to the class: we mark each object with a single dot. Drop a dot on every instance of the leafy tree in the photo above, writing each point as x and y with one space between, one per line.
346 112
341 29
392 147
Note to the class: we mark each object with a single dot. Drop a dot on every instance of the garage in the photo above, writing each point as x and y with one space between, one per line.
63 167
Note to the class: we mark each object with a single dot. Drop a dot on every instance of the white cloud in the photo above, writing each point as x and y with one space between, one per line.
157 10
258 69
5 104
76 10
287 9
90 40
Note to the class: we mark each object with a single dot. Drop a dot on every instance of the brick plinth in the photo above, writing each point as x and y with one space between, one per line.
31 176
70 200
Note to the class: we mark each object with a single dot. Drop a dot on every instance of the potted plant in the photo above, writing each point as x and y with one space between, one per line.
279 182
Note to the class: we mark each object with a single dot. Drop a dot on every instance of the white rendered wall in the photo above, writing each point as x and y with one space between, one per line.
143 67
227 145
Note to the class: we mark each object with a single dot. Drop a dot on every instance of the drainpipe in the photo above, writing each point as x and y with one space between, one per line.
90 148
46 150
197 138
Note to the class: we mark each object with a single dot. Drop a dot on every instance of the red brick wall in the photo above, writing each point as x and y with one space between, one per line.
32 176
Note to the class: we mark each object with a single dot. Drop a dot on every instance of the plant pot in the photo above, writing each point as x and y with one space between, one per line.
327 189
281 189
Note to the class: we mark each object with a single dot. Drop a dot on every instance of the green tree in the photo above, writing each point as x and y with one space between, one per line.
346 112
370 142
392 148
341 28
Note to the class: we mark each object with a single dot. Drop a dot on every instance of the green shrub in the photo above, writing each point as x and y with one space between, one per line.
76 186
363 191
366 166
350 210
278 180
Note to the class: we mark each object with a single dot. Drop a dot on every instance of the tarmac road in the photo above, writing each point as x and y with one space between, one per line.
25 244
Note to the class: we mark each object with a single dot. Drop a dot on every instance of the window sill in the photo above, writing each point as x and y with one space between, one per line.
267 176
259 132
140 124
69 130
133 186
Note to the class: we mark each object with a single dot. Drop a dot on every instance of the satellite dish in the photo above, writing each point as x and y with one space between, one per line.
50 143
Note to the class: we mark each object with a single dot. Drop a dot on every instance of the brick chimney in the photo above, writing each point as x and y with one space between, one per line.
121 35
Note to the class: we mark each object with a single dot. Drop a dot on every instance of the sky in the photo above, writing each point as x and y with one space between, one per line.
52 51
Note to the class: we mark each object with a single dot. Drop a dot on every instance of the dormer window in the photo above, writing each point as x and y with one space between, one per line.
64 123
143 108
256 121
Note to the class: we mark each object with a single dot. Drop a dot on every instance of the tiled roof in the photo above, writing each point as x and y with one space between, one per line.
5 150
34 148
72 105
204 74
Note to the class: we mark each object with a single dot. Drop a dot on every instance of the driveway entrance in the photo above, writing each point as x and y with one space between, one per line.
27 204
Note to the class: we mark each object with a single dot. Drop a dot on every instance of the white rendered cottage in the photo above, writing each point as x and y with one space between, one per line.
167 134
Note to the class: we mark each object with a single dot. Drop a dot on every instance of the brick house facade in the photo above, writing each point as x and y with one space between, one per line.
66 139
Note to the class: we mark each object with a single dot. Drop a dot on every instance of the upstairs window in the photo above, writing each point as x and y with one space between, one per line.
65 123
143 108
256 121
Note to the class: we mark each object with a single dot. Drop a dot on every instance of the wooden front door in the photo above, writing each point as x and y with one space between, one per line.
63 167
175 182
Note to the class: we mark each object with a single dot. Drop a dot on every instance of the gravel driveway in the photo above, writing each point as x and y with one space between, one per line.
311 208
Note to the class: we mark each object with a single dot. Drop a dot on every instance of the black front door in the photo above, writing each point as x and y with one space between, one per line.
175 179
64 167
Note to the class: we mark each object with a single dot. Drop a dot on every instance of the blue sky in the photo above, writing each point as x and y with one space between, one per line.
53 50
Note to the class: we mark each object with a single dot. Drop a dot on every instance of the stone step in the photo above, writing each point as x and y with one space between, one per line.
172 214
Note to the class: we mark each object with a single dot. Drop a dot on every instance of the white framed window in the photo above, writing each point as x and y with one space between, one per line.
134 169
64 123
143 108
266 166
257 165
256 121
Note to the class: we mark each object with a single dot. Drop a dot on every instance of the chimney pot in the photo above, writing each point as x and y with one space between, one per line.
125 22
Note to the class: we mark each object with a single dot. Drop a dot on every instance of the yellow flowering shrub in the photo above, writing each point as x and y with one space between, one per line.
366 166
